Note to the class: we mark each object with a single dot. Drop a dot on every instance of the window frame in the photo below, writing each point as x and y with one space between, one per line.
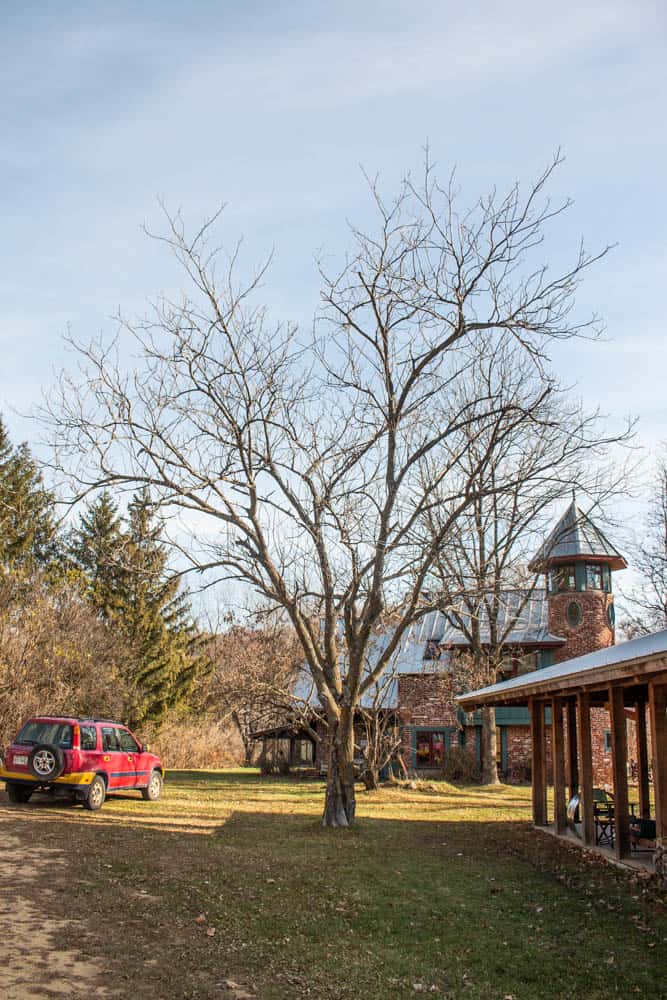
428 736
126 732
594 576
112 730
90 730
556 575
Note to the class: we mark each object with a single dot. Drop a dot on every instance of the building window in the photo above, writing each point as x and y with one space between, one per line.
515 664
562 578
594 576
611 615
607 740
430 749
573 614
303 752
433 650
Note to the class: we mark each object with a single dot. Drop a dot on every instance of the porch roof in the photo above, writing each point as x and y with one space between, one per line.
630 662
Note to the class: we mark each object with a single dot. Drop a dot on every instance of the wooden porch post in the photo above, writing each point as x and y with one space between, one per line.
558 756
619 751
642 760
586 754
539 767
657 700
572 761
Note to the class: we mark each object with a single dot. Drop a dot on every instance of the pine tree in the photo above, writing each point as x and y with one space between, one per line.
155 618
27 526
96 547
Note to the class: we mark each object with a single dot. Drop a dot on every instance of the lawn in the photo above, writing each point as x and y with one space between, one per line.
231 878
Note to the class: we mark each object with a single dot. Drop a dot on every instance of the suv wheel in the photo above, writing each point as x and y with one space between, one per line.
46 761
96 794
18 794
153 789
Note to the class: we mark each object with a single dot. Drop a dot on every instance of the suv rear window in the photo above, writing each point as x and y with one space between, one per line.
57 733
88 738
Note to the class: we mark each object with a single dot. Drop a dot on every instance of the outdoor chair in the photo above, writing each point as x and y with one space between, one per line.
603 812
603 802
642 834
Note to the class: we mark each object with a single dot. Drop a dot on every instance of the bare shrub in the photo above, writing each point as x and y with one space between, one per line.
461 766
195 742
56 657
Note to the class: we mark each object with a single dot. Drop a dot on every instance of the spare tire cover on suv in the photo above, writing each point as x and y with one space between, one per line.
46 761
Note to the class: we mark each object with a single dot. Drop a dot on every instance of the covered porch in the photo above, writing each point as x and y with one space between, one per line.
629 681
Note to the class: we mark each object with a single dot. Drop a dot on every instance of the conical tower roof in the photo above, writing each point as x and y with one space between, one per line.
575 537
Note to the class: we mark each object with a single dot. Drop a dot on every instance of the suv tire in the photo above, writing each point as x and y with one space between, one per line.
46 761
97 793
153 789
18 794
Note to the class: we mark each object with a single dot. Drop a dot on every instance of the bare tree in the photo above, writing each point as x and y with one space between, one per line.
318 457
648 601
379 731
252 679
519 471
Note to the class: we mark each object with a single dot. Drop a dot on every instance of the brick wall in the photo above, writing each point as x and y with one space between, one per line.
519 748
424 700
593 632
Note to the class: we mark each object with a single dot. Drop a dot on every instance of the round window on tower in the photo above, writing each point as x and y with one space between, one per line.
573 614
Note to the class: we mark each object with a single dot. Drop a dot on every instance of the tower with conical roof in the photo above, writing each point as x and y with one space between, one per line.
578 561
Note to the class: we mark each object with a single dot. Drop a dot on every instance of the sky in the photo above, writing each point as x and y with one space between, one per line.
274 109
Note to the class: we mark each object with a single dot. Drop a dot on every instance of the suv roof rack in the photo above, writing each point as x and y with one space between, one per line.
114 722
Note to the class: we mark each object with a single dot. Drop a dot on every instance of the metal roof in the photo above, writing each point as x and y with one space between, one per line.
575 537
437 628
582 669
531 627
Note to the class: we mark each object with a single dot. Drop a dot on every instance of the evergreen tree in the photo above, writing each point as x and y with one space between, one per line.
27 526
97 550
155 618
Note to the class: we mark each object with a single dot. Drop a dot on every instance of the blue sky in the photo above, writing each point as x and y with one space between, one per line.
273 107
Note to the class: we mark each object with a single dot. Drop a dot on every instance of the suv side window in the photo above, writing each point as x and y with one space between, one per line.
110 738
88 738
127 741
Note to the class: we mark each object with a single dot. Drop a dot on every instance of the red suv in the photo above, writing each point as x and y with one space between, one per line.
83 758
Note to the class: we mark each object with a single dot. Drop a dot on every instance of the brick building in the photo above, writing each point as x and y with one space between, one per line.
572 613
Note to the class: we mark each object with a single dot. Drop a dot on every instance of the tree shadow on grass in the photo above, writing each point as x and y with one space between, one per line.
477 909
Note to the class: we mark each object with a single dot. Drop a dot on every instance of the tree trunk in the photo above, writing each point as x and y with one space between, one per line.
244 733
489 748
339 804
371 779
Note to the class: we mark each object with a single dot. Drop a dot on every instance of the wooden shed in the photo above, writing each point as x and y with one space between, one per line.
630 681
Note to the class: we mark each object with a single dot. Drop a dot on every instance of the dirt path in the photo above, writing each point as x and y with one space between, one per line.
33 964
77 921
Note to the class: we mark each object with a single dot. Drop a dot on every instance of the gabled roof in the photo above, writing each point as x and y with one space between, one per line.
576 537
531 627
626 658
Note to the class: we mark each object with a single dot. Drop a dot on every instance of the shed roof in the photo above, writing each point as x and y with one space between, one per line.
576 537
646 654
